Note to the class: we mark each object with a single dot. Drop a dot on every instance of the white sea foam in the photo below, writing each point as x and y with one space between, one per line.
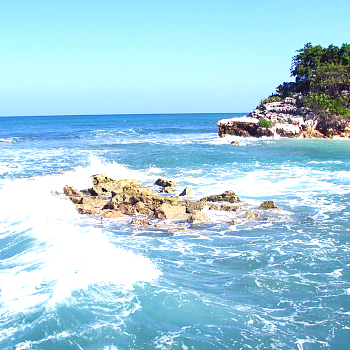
66 255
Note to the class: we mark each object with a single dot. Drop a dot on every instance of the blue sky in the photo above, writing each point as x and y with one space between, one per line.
155 56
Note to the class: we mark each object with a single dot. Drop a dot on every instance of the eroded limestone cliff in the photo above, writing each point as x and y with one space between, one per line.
287 118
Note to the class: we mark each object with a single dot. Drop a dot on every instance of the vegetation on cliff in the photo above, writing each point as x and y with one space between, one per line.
322 76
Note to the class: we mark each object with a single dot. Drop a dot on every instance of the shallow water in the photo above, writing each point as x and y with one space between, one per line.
68 281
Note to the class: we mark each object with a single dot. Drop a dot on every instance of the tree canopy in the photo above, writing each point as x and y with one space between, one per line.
314 60
322 75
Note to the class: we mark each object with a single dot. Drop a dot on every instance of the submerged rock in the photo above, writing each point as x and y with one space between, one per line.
268 205
235 143
87 209
187 192
112 214
228 196
234 222
140 222
165 183
250 214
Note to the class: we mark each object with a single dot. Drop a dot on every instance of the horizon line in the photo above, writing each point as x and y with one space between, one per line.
106 114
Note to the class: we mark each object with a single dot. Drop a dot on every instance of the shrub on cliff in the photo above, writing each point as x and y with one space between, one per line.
266 123
271 98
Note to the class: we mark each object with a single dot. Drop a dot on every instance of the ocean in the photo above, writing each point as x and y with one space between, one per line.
71 281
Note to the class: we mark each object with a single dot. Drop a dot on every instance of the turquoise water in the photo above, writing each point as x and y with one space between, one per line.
69 281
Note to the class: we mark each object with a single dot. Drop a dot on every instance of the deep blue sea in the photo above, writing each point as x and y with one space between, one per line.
70 281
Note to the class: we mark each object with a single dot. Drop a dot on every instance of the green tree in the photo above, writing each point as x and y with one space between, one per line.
310 59
305 64
331 79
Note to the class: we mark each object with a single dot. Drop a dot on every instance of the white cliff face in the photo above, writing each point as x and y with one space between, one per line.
288 111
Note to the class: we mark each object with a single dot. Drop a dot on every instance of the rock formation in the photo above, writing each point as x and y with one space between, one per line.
111 199
287 118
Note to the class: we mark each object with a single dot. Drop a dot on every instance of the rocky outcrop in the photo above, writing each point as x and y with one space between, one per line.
167 186
197 217
244 126
130 199
268 205
100 179
141 222
187 192
71 191
228 196
287 118
168 211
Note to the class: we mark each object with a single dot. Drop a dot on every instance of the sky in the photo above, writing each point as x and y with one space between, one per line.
62 57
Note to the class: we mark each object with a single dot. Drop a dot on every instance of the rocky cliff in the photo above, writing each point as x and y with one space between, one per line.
287 118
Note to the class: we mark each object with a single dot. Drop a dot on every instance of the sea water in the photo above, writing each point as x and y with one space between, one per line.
70 281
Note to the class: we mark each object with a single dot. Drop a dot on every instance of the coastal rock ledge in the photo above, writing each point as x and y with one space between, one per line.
287 118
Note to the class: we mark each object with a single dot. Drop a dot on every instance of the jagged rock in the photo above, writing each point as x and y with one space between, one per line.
96 201
87 209
132 195
334 127
224 207
71 191
197 217
227 207
235 143
100 179
214 206
287 130
192 206
110 187
244 126
234 222
130 198
76 200
112 214
167 211
167 189
227 196
142 209
270 219
141 222
250 214
123 208
268 205
187 192
165 183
